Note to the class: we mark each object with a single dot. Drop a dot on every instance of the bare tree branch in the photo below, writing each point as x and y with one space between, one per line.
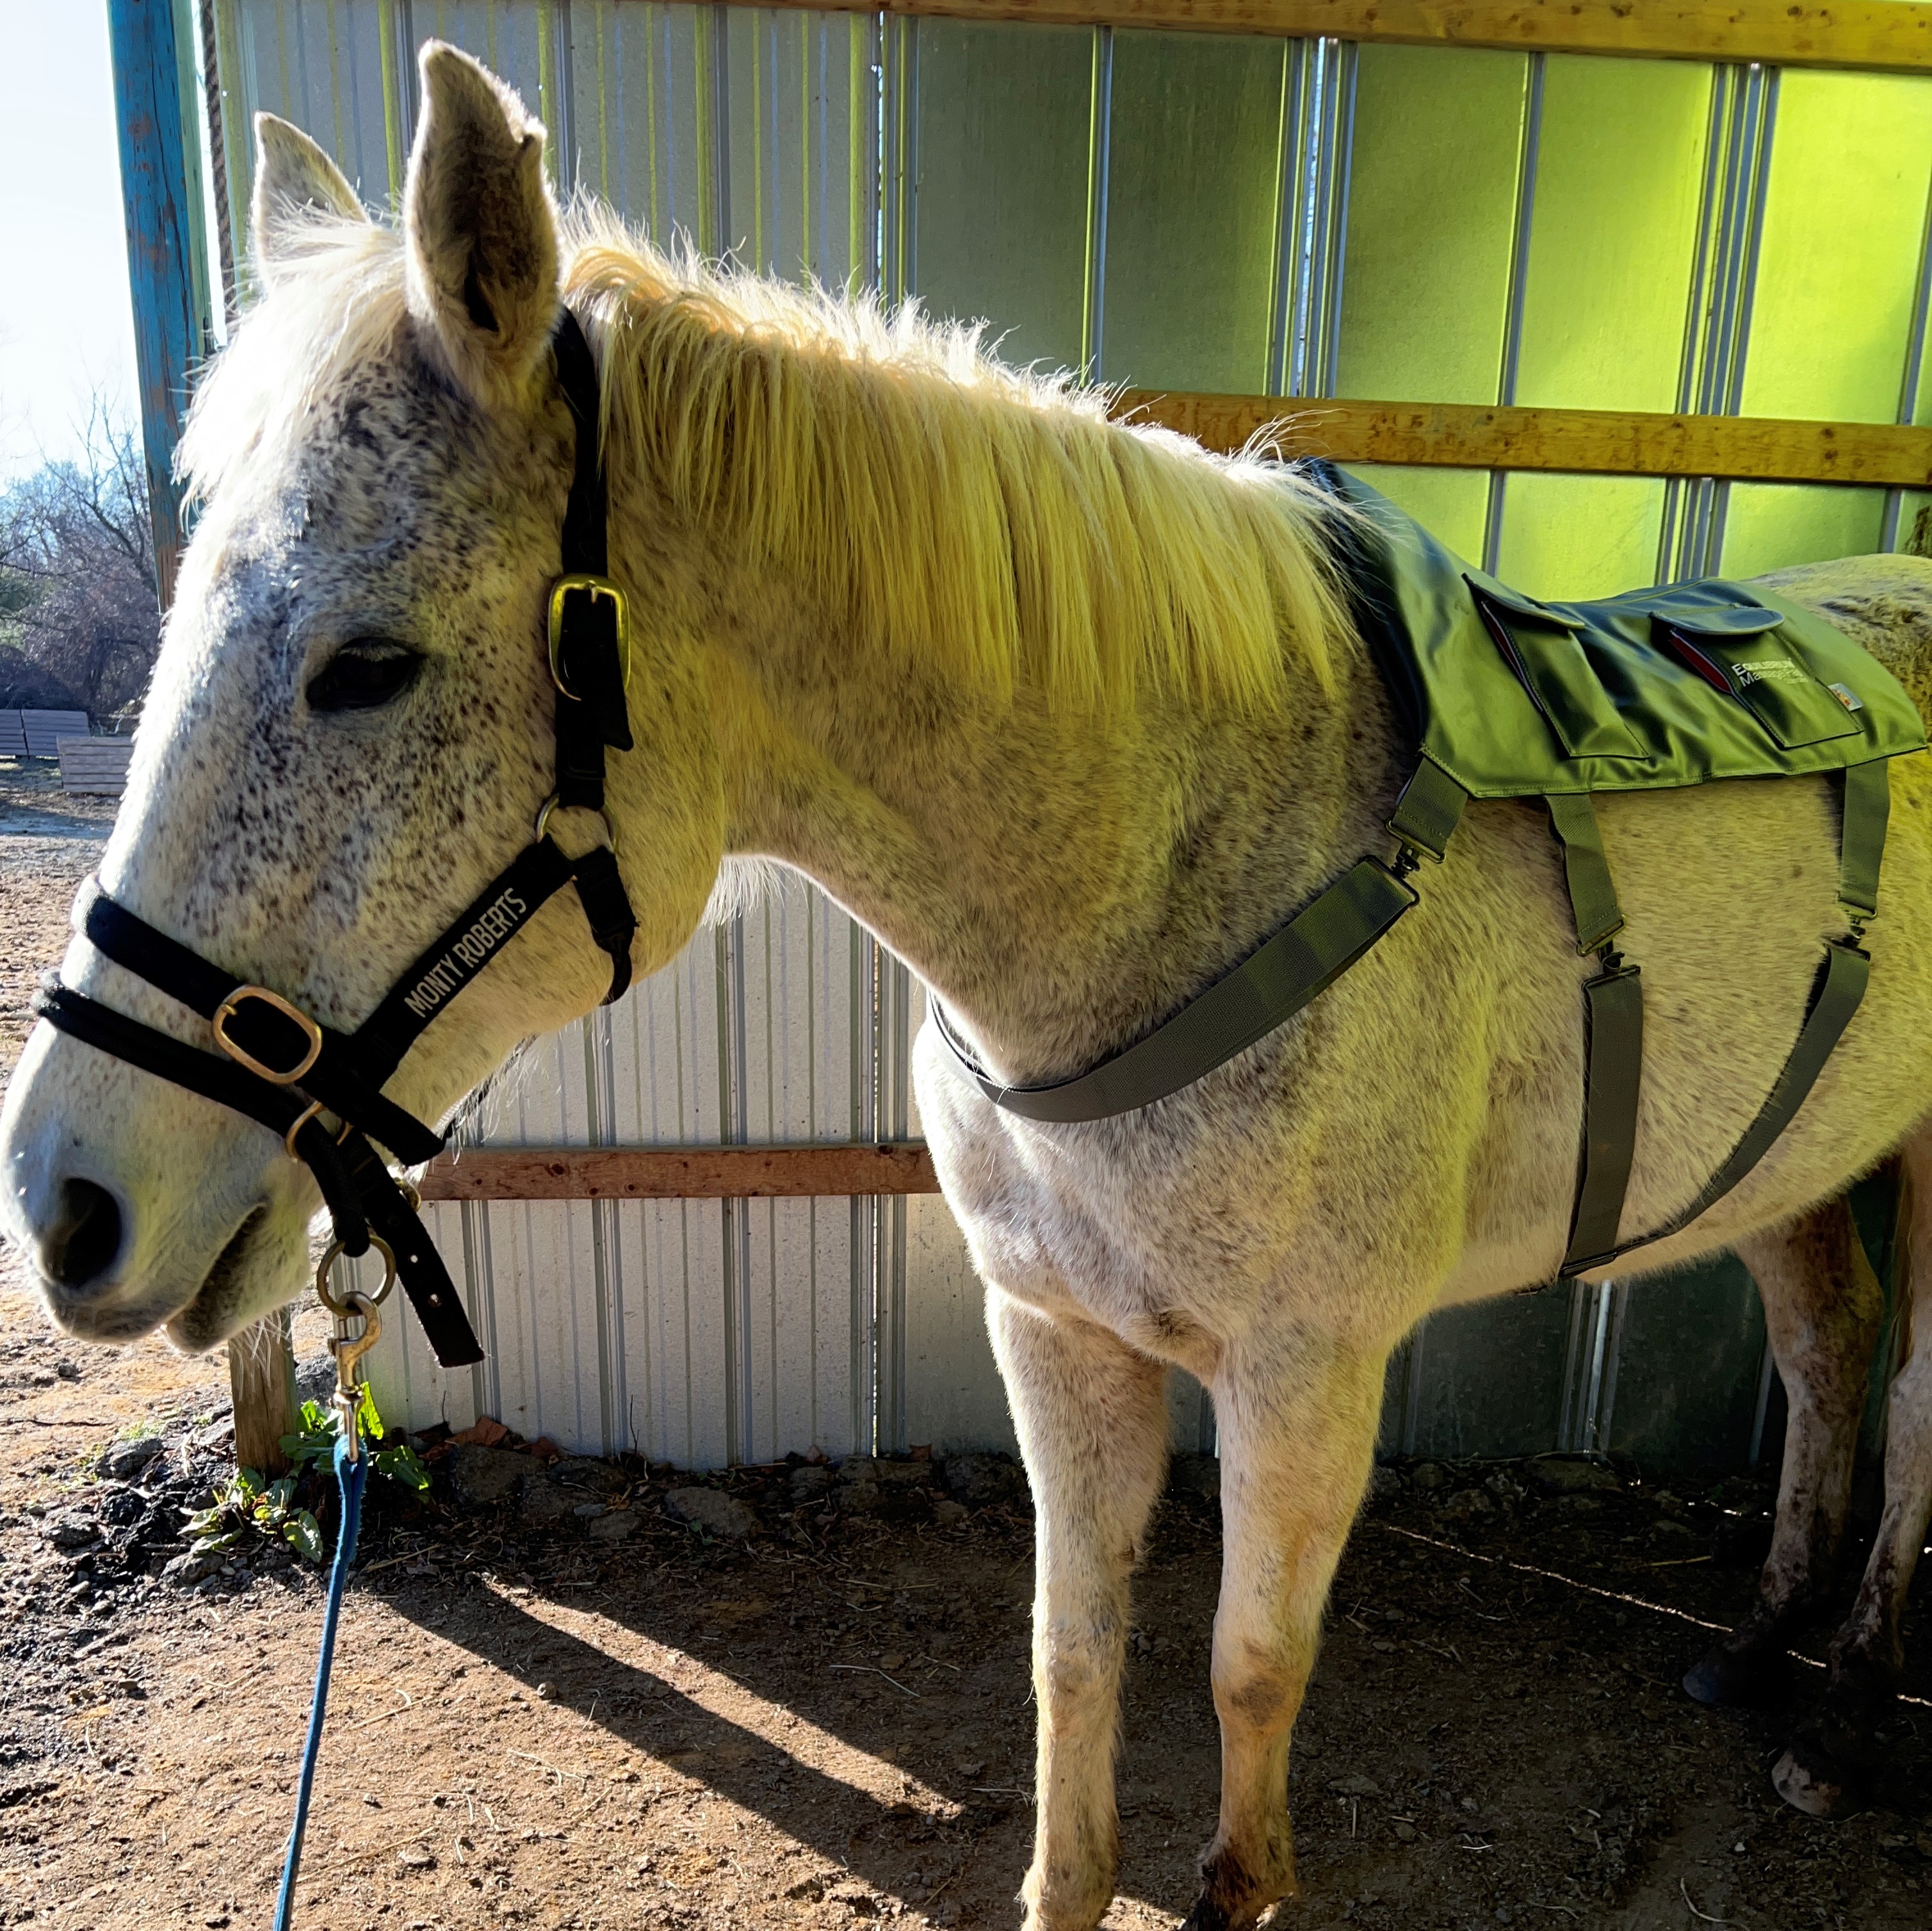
78 613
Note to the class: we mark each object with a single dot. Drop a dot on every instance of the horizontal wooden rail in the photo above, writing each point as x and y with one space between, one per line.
1753 449
678 1172
1880 36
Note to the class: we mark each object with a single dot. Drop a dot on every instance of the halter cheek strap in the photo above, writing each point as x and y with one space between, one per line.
284 1069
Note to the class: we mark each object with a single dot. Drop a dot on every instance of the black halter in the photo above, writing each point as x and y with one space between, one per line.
282 1067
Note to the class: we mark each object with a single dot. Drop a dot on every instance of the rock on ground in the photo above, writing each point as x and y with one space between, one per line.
1566 1475
126 1459
711 1509
478 1474
981 1481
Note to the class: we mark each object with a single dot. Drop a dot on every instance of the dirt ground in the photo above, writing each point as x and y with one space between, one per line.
556 1704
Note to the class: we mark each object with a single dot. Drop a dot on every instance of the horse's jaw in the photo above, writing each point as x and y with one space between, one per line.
206 1235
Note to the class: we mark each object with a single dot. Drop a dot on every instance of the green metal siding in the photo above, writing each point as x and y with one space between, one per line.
1193 208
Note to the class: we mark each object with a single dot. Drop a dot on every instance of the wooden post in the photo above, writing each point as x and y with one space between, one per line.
160 197
262 1377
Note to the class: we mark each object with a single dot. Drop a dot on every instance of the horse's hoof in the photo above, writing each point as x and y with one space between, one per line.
1207 1915
1809 1779
1740 1679
1214 1913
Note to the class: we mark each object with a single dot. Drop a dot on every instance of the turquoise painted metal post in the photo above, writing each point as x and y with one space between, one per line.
170 333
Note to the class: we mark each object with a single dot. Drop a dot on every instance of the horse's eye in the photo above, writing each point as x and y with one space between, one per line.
363 674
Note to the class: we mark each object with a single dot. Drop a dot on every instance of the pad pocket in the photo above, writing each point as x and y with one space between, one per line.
1741 651
1541 647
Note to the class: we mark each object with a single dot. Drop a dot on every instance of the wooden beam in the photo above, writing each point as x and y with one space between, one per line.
1588 441
678 1172
1879 36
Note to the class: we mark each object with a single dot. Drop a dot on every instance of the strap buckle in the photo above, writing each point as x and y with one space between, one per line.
583 582
228 1010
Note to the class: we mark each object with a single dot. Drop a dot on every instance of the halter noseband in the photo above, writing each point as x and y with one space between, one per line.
282 1067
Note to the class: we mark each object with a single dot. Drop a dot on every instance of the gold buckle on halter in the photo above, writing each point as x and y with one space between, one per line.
226 1011
592 587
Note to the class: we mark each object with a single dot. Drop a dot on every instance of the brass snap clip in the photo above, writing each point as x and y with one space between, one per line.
347 1346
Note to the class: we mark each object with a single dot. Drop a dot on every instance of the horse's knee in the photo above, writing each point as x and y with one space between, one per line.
1076 1665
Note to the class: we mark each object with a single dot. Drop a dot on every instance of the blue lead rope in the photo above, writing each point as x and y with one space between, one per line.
350 1475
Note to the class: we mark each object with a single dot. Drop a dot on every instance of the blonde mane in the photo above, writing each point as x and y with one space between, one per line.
988 521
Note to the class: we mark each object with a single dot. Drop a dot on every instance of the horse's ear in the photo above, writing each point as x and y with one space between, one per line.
480 227
295 183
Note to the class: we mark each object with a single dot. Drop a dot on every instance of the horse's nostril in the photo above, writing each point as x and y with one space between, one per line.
82 1244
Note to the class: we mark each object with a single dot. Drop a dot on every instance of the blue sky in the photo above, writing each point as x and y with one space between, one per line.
64 325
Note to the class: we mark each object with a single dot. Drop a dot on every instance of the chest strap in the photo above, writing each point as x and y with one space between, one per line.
1271 985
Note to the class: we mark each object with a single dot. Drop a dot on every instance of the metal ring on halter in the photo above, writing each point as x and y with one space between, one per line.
296 1125
340 1308
550 804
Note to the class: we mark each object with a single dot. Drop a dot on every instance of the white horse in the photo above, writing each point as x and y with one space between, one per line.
1069 714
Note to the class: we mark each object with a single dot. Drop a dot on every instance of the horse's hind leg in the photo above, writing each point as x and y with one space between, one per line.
1824 1770
1092 1418
1298 1436
1823 1317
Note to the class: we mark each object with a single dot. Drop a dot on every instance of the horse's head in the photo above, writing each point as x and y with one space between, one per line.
349 730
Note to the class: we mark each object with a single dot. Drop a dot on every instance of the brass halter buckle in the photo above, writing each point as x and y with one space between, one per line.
592 587
240 1054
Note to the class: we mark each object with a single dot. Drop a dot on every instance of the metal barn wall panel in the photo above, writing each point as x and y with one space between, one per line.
1433 234
1486 1379
322 64
800 1067
1845 209
998 134
1189 211
1688 1354
1607 291
801 91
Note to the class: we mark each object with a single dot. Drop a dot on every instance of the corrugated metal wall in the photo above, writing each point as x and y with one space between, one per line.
1238 214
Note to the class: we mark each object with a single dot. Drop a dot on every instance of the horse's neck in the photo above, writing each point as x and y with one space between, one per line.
1059 881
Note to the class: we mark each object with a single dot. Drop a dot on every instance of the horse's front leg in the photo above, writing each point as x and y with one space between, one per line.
1297 1431
1093 1427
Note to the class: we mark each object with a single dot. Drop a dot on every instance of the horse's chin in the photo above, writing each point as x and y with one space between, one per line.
233 1292
257 1269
